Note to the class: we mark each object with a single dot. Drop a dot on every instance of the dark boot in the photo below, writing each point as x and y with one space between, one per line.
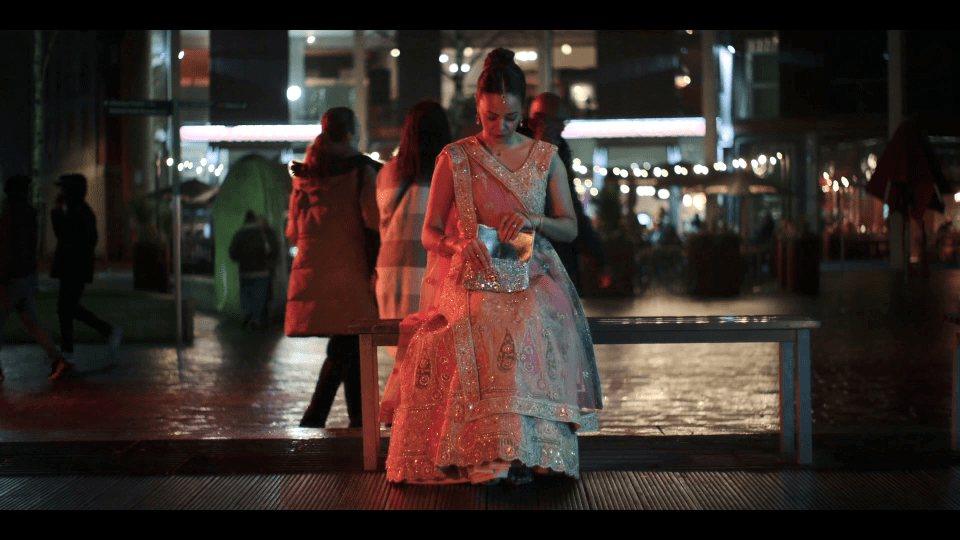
323 395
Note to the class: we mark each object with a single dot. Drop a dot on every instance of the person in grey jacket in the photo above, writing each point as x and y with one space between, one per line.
18 268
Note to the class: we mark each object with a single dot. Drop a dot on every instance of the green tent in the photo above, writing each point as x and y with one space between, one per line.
263 186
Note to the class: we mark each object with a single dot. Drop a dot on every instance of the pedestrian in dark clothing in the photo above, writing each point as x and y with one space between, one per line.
767 227
546 123
18 268
697 223
255 249
75 227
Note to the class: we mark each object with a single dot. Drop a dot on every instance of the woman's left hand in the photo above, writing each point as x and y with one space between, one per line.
512 224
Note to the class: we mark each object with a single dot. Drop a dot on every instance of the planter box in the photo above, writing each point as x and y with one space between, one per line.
151 267
715 265
620 254
798 264
145 317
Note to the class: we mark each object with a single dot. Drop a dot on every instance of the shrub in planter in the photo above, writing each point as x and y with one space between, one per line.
715 265
151 252
798 258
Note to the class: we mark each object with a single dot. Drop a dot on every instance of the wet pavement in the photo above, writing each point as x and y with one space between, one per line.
881 361
214 425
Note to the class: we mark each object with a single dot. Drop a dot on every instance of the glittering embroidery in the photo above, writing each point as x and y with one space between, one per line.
423 373
529 182
503 276
508 356
477 402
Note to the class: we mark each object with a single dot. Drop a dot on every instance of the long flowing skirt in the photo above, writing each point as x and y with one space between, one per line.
493 379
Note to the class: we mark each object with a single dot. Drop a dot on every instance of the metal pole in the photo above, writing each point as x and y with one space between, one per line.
175 173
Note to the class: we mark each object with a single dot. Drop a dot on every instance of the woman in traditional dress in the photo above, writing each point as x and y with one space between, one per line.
403 189
494 380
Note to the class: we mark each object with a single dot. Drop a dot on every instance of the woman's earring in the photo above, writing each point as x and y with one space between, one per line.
478 119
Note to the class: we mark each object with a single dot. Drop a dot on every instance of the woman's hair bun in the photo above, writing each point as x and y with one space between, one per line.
499 56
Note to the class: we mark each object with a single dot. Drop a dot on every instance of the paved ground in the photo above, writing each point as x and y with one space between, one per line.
881 396
882 358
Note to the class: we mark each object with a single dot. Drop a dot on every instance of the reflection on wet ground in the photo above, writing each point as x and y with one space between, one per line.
882 357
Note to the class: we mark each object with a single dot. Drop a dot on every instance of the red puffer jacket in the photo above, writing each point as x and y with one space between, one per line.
330 284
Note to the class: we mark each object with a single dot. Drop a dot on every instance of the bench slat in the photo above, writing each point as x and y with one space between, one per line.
648 324
645 335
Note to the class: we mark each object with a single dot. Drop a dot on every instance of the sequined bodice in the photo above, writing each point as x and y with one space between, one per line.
528 183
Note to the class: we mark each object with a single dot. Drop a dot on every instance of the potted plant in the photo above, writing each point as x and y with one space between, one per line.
798 257
716 267
618 246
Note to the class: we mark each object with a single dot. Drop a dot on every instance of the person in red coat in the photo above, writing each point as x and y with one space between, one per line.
331 281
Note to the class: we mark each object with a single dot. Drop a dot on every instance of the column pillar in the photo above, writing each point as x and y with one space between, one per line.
298 77
709 97
546 61
899 250
360 87
811 182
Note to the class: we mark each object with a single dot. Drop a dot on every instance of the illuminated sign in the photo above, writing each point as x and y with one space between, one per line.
632 128
279 133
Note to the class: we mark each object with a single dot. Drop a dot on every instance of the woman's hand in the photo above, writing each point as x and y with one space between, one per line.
475 252
512 224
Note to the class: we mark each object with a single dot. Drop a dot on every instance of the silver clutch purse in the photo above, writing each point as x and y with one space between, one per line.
510 271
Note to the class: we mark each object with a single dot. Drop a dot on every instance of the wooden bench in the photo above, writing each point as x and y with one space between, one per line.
955 408
791 332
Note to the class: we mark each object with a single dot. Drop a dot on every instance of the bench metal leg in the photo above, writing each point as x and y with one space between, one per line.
788 427
370 393
804 403
955 412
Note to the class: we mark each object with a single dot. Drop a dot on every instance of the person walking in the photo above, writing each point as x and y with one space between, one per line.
333 202
18 269
403 189
75 227
255 249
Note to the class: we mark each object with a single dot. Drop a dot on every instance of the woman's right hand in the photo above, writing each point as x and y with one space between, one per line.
475 252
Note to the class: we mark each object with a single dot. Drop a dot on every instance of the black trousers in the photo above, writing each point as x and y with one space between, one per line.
69 308
341 366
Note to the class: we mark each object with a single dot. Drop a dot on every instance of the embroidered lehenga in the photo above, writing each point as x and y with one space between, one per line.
490 379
